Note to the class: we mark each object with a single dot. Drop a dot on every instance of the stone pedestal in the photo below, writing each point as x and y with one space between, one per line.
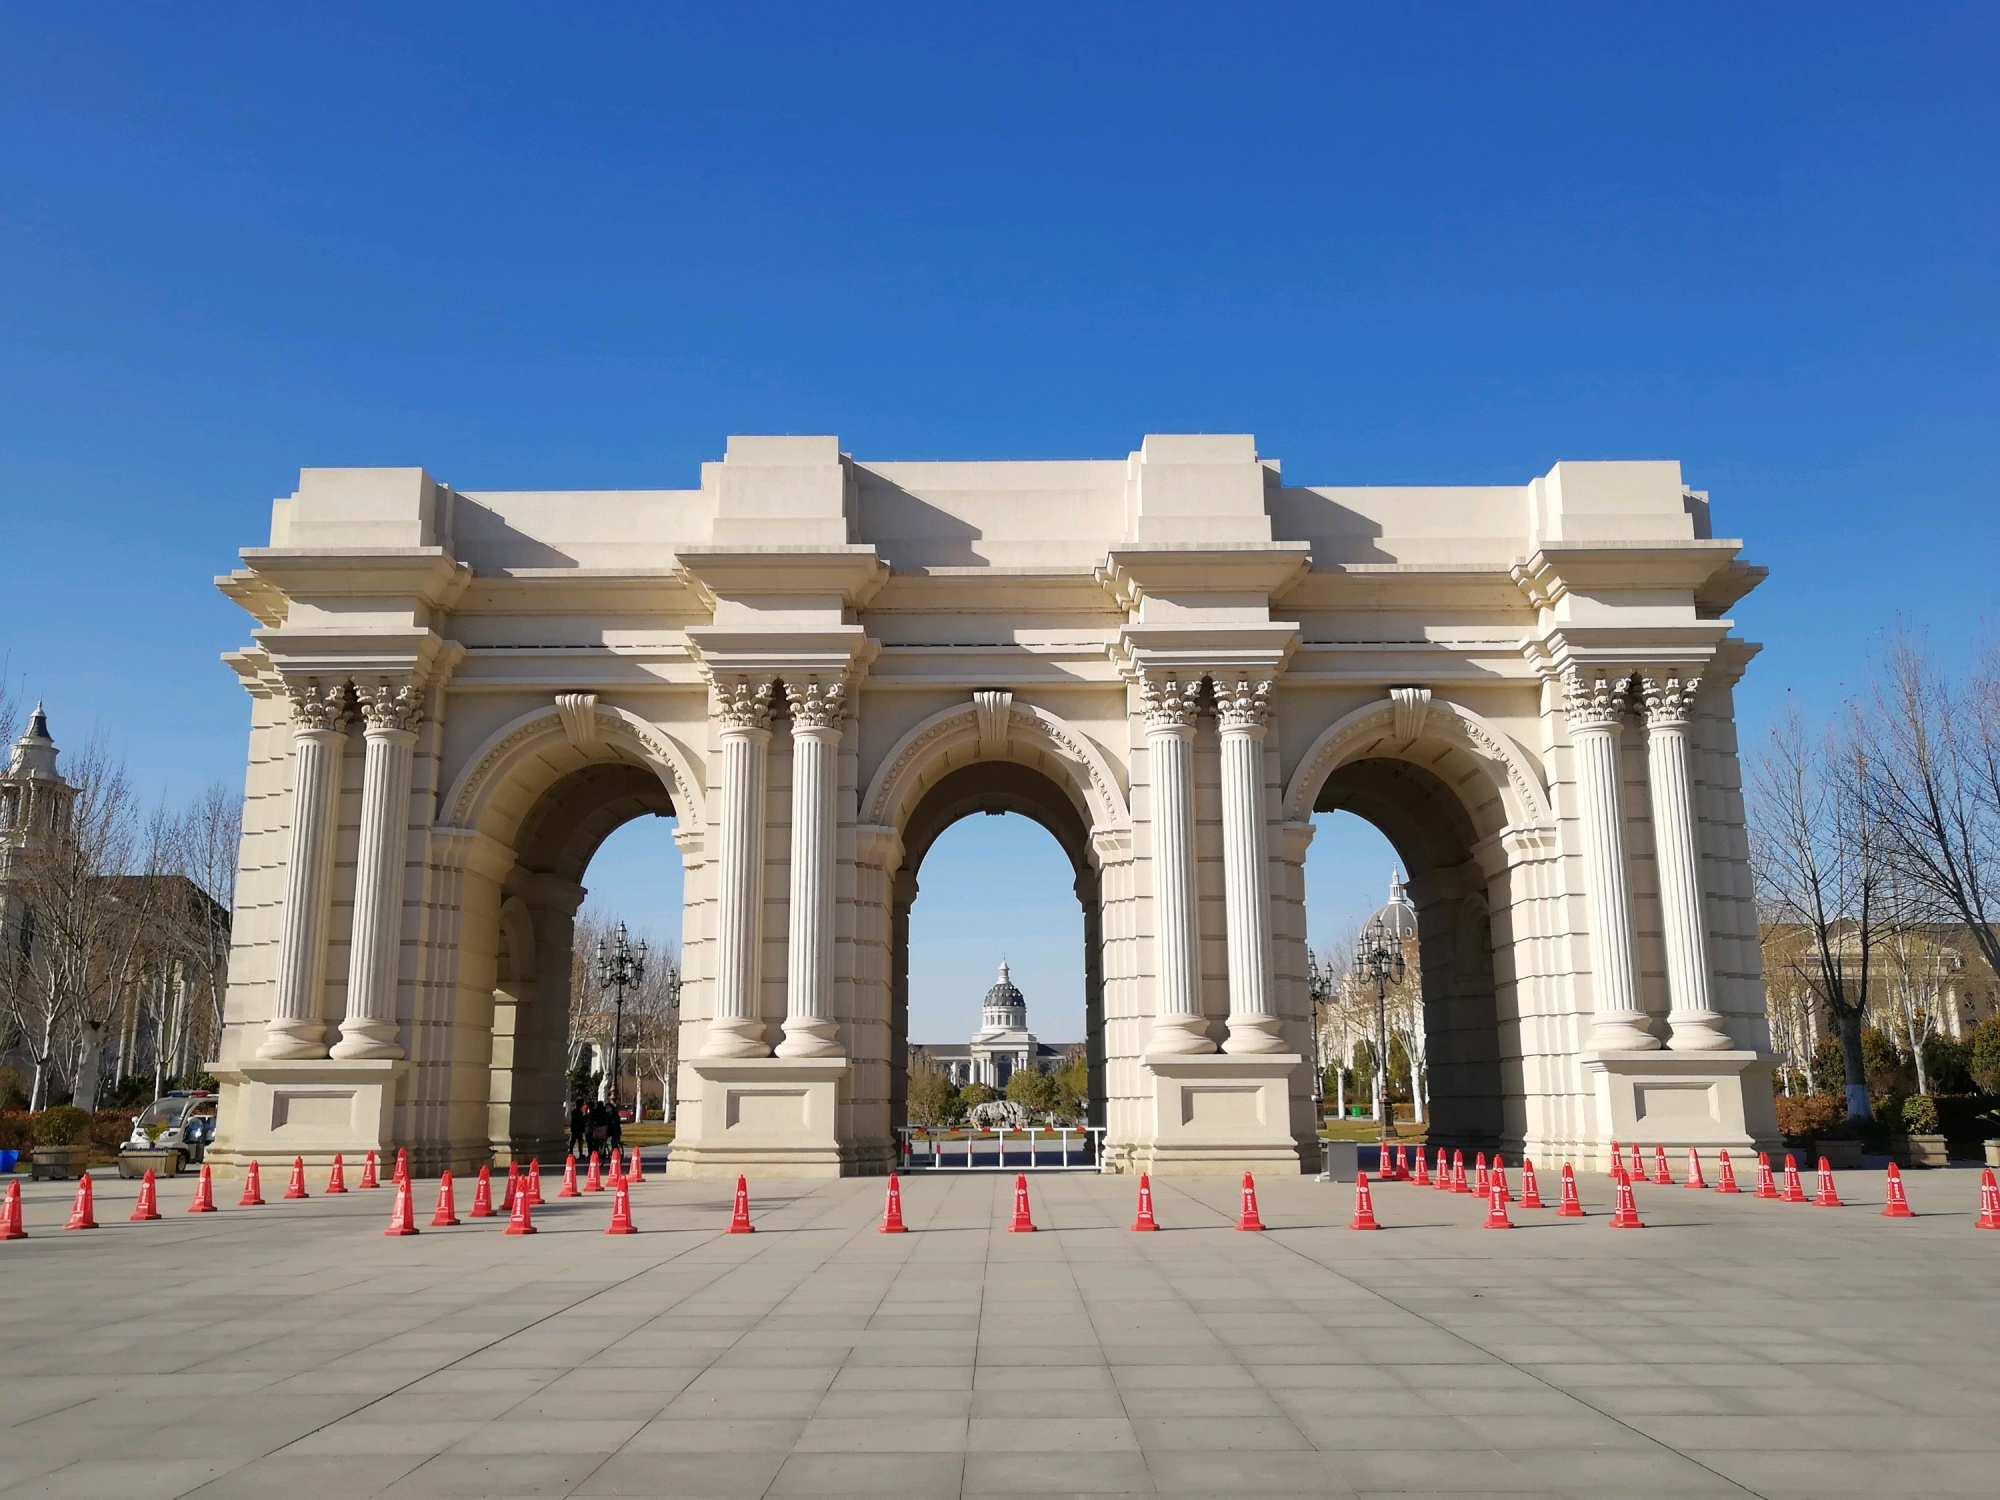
1220 1113
1677 1100
309 1108
762 1116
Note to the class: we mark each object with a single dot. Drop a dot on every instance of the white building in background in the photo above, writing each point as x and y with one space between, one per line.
1003 1045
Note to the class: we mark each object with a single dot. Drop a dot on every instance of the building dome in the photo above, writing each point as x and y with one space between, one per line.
1398 917
1006 999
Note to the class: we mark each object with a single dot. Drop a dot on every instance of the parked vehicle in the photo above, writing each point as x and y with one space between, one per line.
182 1119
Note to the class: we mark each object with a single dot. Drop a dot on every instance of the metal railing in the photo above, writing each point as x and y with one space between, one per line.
1033 1148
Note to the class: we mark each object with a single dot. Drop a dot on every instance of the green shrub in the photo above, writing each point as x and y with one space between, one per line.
976 1093
1810 1116
1947 1065
932 1100
17 1130
1033 1090
1983 1051
1968 1117
1920 1116
64 1125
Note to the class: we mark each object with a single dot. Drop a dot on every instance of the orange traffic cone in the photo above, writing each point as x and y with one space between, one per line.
739 1218
81 1213
1627 1216
621 1207
403 1218
892 1209
296 1188
1694 1177
482 1195
531 1181
1661 1176
1458 1173
204 1194
10 1214
1795 1191
1765 1187
446 1216
253 1190
368 1173
336 1177
1423 1177
402 1165
593 1183
1500 1179
1442 1182
1898 1206
1403 1163
1989 1201
638 1172
1480 1184
1496 1206
1571 1207
1023 1223
569 1189
1364 1205
522 1219
1248 1219
1725 1175
149 1203
513 1186
1617 1163
1531 1196
1826 1197
1144 1223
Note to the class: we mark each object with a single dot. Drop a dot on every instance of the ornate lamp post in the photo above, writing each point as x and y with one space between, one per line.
622 967
1379 956
1319 988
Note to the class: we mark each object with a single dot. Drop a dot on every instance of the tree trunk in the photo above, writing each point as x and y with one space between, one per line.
1854 1065
89 1059
1917 1057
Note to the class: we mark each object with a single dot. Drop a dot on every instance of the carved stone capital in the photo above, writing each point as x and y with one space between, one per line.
315 706
387 705
815 706
1668 701
1167 703
1594 700
1245 706
741 704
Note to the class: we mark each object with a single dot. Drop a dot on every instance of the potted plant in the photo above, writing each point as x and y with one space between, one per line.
62 1142
155 1148
1921 1142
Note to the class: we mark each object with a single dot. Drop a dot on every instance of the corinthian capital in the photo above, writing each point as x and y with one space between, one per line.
741 704
390 705
1668 700
1167 704
1245 706
814 706
315 706
1593 700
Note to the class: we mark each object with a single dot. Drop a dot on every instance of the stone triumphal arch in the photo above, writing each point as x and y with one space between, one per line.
816 664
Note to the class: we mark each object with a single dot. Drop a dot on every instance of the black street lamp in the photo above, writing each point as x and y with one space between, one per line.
1379 956
622 967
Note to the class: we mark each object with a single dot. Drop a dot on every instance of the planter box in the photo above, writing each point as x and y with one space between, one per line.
59 1163
1993 1153
1917 1150
1842 1156
161 1161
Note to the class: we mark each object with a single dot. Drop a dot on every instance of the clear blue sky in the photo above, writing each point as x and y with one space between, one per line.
532 247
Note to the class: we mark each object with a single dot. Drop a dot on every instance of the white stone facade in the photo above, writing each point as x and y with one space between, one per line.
817 664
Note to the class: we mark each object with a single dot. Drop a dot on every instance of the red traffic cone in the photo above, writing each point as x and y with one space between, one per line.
1500 1179
296 1188
531 1181
204 1194
1458 1173
513 1186
82 1212
522 1219
1480 1184
482 1195
1617 1163
1694 1177
253 1189
892 1209
1898 1206
403 1218
1989 1201
1661 1176
1766 1188
1627 1216
638 1172
1531 1196
1364 1205
446 1216
368 1173
1571 1207
569 1188
402 1165
739 1218
1248 1219
1795 1191
1826 1197
621 1207
1423 1177
1144 1224
336 1176
1496 1206
149 1203
1725 1175
10 1214
1403 1162
1023 1223
593 1183
1442 1182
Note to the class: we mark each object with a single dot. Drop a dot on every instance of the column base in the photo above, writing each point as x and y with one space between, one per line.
272 1111
762 1117
1678 1100
730 1037
293 1041
1697 1031
1179 1036
369 1041
1621 1032
811 1038
1219 1115
1255 1035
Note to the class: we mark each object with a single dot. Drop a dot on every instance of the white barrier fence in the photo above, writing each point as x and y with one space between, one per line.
1031 1148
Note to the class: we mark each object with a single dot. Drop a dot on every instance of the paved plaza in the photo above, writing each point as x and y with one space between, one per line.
1733 1347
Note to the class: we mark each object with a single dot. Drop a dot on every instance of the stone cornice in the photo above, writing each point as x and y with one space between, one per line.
364 655
1198 650
852 573
427 574
1190 572
1558 568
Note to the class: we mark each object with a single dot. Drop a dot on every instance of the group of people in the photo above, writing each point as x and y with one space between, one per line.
595 1127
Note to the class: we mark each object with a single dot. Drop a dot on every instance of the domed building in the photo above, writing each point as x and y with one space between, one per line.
1003 1044
1399 917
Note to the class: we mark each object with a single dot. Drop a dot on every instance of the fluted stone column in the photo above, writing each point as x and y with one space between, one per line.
1178 1025
817 714
371 1028
319 741
1246 876
1596 707
1697 1025
736 1029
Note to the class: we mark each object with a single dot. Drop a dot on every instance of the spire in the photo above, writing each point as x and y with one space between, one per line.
1003 972
1396 888
34 756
